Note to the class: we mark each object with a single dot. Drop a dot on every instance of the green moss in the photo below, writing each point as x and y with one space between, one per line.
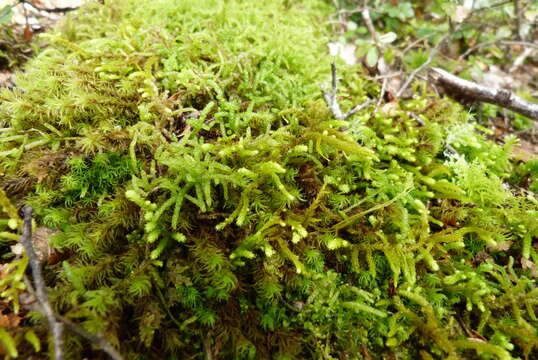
89 178
208 201
526 175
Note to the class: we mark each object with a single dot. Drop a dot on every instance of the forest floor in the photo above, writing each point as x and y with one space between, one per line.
27 20
36 16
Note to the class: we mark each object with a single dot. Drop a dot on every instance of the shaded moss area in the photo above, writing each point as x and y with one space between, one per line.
209 206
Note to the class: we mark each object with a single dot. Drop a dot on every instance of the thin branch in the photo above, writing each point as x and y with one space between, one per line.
359 108
330 96
387 85
342 15
501 97
411 76
451 149
521 59
49 10
368 21
350 12
435 49
207 348
522 43
517 11
502 42
475 47
41 292
94 339
334 80
381 93
332 102
419 40
489 7
417 119
387 76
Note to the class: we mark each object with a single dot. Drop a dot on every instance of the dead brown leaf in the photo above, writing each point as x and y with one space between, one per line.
41 242
10 320
525 151
28 33
528 264
503 246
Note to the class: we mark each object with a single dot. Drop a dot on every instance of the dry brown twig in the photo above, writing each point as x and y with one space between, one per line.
414 43
332 102
472 90
38 289
501 42
391 83
368 21
411 76
519 20
521 58
342 15
381 93
94 339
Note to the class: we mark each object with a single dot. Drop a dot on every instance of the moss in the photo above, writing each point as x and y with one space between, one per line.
208 202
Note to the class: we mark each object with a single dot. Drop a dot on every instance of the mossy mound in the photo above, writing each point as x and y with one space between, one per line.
208 205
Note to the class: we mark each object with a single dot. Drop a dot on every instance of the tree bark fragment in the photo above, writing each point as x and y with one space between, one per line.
501 97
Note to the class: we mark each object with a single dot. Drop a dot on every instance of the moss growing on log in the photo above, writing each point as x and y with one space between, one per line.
208 205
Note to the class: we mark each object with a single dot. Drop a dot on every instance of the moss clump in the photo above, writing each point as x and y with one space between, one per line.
210 205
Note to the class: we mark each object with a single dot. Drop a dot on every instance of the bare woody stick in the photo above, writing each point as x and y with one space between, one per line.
56 322
433 52
97 340
94 339
41 292
50 10
332 102
471 90
368 21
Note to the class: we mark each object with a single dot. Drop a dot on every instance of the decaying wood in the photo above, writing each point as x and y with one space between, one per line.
501 97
